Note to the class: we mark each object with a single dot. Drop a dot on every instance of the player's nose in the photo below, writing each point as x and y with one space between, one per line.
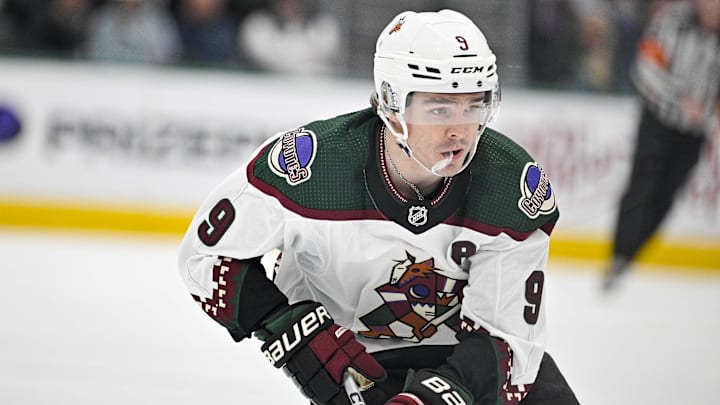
456 131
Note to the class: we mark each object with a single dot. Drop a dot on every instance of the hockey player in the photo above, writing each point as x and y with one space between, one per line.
414 239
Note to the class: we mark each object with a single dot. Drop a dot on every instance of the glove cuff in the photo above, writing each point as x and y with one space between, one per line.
291 329
434 388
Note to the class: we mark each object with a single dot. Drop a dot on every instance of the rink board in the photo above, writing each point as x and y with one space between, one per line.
135 150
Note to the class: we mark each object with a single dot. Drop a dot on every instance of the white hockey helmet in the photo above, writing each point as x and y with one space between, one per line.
434 52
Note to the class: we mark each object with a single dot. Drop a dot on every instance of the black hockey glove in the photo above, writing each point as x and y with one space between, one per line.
315 351
428 387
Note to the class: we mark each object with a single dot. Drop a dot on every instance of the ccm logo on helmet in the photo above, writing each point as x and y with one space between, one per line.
445 390
466 69
300 330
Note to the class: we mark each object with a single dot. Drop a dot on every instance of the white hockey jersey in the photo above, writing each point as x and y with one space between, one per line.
396 272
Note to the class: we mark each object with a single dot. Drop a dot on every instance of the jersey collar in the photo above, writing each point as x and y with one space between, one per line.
414 215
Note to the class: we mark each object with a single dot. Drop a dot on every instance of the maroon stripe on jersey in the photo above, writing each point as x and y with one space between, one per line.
491 230
345 215
548 228
339 215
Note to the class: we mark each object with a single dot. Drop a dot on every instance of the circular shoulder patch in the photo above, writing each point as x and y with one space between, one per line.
537 195
292 155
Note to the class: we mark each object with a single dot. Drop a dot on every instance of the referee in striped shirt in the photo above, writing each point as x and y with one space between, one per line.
677 75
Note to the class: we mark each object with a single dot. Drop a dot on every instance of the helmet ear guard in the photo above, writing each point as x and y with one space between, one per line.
389 109
388 98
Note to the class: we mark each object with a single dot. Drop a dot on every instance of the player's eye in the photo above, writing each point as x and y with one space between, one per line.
439 111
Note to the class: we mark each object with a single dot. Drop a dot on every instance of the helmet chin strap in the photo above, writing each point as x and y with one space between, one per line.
401 141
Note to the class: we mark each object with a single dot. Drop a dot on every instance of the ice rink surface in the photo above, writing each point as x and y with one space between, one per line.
106 320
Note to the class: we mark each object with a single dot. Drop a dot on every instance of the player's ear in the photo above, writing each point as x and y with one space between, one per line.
395 122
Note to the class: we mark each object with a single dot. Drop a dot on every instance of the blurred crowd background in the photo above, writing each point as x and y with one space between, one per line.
564 44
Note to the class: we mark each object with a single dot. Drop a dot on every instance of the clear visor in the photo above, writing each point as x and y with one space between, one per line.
449 109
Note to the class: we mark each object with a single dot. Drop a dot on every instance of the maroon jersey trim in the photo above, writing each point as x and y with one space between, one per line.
344 215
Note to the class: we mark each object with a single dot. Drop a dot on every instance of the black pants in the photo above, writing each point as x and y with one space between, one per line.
550 387
662 163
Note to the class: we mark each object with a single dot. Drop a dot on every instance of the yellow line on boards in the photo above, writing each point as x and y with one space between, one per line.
94 218
703 256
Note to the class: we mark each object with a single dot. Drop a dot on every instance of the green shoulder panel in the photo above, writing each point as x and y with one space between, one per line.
318 166
509 190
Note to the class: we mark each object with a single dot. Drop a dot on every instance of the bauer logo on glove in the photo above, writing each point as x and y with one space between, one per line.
278 350
316 352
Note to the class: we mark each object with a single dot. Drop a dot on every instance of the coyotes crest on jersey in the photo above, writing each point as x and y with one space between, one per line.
416 301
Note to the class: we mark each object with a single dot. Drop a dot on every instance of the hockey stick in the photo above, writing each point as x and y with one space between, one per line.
352 390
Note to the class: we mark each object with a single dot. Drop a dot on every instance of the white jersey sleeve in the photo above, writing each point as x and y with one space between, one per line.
504 296
235 221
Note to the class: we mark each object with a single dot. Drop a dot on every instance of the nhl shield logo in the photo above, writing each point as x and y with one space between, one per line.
417 215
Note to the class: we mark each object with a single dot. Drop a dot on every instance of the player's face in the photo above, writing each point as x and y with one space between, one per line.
443 127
